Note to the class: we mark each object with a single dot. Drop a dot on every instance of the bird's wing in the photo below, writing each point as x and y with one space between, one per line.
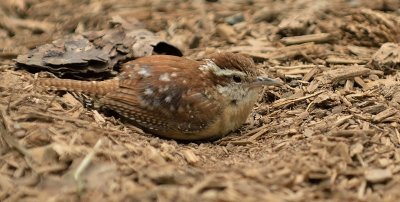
164 102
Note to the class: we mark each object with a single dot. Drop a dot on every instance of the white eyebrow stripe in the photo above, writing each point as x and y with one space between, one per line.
228 72
211 66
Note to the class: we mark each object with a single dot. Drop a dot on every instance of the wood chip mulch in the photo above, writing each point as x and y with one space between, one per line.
331 133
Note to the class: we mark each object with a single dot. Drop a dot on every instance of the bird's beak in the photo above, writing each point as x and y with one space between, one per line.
265 81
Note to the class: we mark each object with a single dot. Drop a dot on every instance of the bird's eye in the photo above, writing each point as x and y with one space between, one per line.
237 79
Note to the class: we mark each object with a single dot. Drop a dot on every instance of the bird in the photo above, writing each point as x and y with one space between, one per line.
176 97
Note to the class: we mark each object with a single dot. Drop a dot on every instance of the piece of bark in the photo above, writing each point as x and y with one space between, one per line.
94 55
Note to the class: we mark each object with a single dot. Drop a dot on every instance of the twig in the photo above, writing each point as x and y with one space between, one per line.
85 162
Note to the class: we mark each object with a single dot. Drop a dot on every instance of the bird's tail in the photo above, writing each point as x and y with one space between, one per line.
89 87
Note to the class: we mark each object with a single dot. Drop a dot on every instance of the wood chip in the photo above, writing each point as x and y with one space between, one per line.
190 157
310 74
348 133
361 82
71 100
387 57
360 51
285 72
356 149
346 72
385 114
227 32
374 109
280 103
342 120
44 155
338 60
285 53
98 117
349 85
317 38
378 175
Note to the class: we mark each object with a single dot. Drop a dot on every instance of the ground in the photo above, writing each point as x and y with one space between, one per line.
331 133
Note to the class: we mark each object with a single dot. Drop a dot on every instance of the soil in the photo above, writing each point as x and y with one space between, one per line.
331 133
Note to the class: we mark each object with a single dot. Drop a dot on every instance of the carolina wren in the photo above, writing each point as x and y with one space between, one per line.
176 97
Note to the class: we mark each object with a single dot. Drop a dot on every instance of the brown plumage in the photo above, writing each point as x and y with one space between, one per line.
176 97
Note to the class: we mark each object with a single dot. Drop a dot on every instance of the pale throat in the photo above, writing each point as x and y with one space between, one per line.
235 115
234 92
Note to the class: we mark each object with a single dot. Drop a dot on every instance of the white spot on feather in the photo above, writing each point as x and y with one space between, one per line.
164 77
164 89
144 72
148 91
